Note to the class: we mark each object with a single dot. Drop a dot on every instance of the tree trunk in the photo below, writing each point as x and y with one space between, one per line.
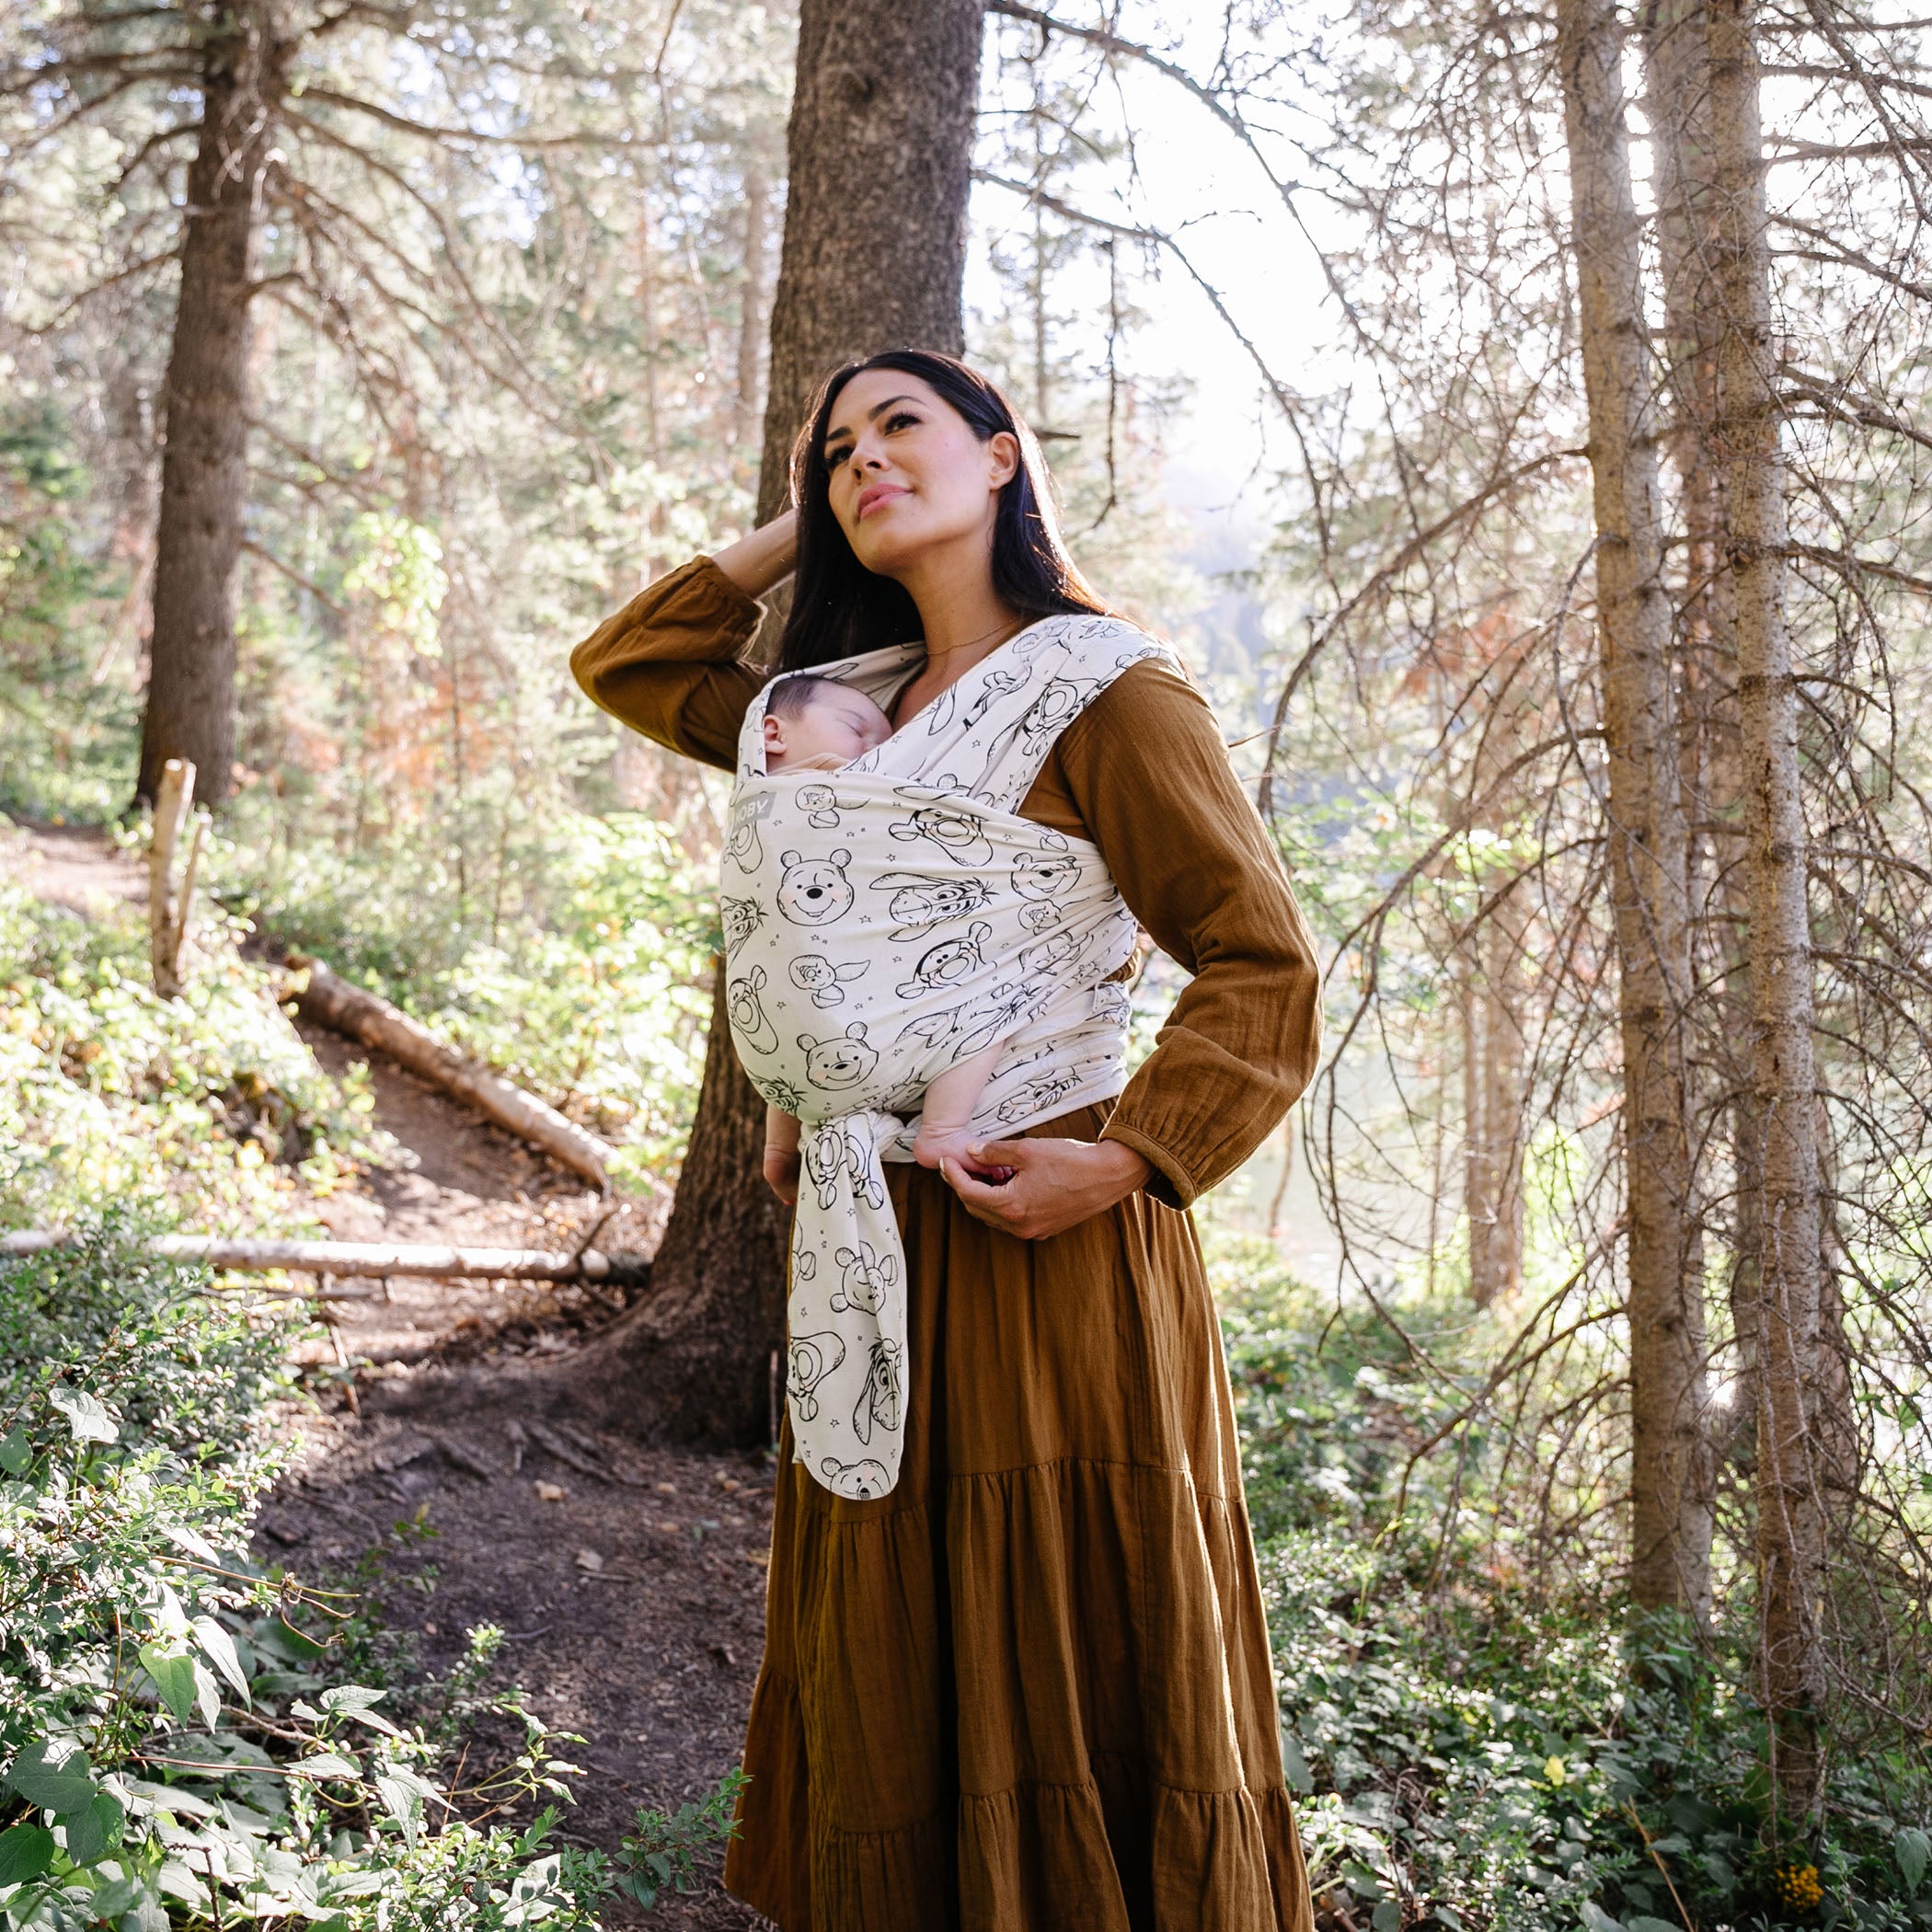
751 306
880 149
1791 1539
190 693
1671 1511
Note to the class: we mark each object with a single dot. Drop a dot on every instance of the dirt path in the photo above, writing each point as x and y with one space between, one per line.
630 1582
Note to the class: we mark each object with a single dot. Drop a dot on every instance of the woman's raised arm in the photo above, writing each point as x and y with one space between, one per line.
669 664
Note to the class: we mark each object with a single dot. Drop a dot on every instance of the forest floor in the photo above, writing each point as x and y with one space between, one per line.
629 1582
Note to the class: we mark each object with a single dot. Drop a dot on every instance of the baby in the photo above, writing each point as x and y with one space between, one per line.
818 724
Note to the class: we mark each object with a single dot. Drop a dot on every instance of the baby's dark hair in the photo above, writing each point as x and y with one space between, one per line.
793 696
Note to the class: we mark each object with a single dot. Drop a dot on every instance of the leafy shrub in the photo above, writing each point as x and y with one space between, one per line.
1479 1749
178 1749
208 1103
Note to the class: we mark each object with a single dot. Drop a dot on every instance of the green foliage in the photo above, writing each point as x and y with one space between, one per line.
579 975
59 758
207 1105
663 1850
1480 1745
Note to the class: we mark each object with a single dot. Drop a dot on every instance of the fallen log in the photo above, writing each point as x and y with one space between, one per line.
366 1260
326 997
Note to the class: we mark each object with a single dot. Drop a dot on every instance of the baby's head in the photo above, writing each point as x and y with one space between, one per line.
821 722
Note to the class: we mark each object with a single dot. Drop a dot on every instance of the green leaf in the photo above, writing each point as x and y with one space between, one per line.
328 1763
92 1834
173 1671
16 1453
1642 1924
53 1774
1596 1919
148 1915
402 1804
26 1851
1387 1916
220 1647
86 1417
1450 1917
1913 1849
207 1693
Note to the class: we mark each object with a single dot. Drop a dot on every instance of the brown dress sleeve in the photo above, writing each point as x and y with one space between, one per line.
1145 775
668 663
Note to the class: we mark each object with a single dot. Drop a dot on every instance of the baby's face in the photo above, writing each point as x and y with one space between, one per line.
842 724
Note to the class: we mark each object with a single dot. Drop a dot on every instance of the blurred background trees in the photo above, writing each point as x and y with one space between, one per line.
1518 417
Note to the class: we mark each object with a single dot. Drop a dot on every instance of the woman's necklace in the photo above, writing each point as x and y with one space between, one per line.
1009 630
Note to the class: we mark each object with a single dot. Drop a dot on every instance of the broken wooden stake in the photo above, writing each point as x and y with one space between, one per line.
367 1017
168 912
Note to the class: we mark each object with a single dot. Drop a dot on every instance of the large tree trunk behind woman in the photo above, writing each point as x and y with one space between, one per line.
205 476
884 111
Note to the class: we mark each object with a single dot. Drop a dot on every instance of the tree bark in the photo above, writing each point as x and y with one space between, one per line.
190 694
1791 1302
1671 1511
878 153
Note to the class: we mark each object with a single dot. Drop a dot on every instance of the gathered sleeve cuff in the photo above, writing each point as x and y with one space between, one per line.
669 665
1147 770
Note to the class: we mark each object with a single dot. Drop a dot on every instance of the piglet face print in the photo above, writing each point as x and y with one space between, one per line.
869 1278
812 973
815 891
843 1062
751 1024
949 961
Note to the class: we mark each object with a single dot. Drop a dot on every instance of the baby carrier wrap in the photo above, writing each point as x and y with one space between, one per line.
884 921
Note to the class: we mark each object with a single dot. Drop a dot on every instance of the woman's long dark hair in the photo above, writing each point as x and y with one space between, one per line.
840 608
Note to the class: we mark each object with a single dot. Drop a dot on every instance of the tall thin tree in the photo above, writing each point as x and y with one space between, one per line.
1670 1513
1791 1528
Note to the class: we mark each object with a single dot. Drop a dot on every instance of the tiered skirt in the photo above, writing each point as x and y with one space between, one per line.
1029 1691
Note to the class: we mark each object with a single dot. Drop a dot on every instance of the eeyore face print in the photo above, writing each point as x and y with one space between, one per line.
921 901
815 891
879 1400
949 961
961 836
742 847
842 1062
751 1024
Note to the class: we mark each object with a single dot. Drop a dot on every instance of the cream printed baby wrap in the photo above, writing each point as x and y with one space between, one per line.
884 921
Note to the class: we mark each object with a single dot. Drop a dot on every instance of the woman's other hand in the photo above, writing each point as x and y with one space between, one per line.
781 1173
1054 1184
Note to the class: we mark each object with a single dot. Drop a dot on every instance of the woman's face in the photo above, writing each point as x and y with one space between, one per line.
906 475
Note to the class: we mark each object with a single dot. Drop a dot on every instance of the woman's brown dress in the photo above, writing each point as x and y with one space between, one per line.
1029 1691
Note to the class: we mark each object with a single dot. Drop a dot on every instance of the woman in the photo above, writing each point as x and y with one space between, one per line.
1029 1688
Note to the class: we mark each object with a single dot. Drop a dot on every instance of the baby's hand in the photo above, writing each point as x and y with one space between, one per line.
781 1173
